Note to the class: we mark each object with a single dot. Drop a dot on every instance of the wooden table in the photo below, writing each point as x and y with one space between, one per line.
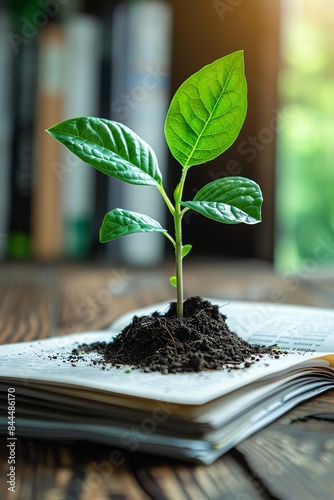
293 458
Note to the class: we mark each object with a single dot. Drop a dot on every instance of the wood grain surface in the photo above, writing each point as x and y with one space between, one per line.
293 458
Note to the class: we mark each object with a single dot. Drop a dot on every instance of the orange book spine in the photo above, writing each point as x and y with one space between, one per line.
46 210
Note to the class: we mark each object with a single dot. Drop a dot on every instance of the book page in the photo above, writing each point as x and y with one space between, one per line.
292 328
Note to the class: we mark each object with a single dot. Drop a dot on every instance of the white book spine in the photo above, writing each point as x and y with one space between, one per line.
140 100
81 98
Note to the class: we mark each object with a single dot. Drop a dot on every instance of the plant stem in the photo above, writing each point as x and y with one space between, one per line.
178 245
168 236
177 215
178 261
166 199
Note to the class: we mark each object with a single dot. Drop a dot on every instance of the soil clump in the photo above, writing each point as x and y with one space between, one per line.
201 340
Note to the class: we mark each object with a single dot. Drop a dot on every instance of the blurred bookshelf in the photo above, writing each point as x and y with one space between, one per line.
123 60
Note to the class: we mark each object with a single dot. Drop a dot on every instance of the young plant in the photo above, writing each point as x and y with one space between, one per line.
204 119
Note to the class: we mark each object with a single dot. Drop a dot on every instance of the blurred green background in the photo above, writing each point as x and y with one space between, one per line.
305 158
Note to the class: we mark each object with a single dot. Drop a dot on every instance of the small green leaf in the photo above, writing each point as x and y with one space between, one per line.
208 111
120 222
231 200
173 281
110 147
186 249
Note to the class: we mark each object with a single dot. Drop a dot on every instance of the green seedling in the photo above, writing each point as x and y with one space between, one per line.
204 119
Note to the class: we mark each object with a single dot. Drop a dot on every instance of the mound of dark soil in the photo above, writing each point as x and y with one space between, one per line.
163 342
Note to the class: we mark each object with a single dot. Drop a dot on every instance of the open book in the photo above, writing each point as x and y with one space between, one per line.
194 416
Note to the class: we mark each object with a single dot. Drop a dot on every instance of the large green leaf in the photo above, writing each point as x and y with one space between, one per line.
120 222
231 200
208 111
110 147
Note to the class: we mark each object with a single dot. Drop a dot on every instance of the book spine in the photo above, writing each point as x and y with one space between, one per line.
105 72
46 214
6 58
81 98
22 154
118 49
140 100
